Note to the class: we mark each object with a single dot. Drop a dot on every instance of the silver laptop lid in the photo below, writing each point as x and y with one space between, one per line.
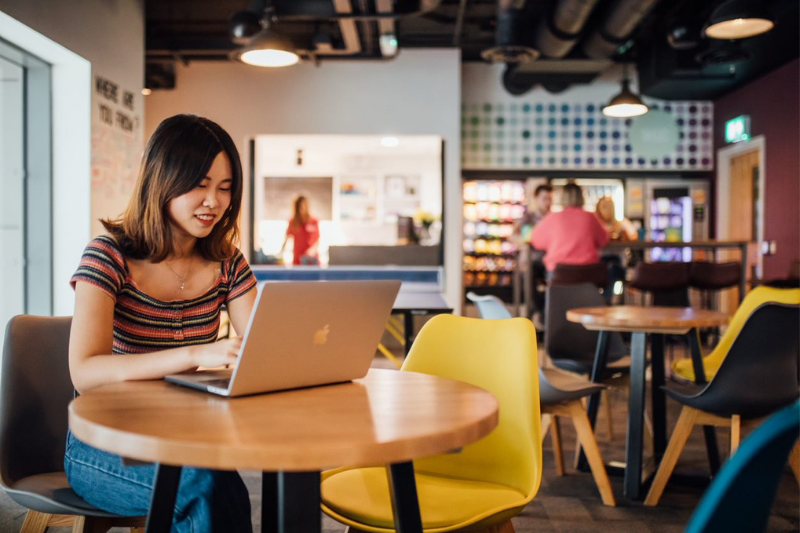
305 333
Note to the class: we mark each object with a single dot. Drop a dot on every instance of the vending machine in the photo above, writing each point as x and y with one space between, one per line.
672 210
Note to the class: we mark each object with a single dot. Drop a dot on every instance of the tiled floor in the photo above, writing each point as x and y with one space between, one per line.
571 503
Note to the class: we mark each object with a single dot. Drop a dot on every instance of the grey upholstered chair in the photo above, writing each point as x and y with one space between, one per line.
35 390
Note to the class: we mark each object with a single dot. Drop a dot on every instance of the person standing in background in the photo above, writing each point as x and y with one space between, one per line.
618 230
542 202
572 236
304 230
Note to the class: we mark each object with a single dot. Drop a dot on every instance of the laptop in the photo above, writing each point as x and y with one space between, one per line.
302 334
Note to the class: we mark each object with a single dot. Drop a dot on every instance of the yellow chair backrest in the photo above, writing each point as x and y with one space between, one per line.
754 299
499 356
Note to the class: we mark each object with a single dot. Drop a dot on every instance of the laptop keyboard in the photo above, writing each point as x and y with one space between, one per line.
221 383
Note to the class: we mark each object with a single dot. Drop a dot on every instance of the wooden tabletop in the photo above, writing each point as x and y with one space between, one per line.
387 417
648 319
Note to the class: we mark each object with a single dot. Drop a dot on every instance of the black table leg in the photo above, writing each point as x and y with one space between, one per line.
405 505
408 328
599 367
269 502
633 446
162 501
658 398
298 502
709 432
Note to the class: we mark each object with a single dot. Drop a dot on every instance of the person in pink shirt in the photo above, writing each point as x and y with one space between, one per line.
572 236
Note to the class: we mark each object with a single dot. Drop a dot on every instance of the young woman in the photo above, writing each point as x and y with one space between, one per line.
147 304
304 230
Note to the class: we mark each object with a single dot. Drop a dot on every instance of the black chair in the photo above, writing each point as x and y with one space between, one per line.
710 278
667 282
35 391
594 273
758 376
570 346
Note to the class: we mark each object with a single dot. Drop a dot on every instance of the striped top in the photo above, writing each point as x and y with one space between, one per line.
144 324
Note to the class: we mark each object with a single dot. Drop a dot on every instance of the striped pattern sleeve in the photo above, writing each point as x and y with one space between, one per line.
240 278
102 265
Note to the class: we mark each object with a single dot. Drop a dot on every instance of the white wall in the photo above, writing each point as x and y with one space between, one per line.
83 39
418 93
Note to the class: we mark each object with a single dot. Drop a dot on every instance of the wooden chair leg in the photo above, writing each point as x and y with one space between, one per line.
605 399
681 434
35 522
736 433
547 419
505 527
91 524
794 460
587 440
649 443
555 434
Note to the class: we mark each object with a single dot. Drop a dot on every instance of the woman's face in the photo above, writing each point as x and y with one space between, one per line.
302 208
196 212
606 209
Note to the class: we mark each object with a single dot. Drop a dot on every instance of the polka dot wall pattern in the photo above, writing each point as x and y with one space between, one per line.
576 136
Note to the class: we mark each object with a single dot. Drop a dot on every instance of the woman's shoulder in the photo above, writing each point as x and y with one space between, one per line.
106 246
235 261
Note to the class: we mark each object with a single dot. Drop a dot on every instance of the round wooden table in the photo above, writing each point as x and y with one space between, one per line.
640 322
389 417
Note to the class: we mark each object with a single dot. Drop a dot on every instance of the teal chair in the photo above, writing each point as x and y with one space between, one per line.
741 495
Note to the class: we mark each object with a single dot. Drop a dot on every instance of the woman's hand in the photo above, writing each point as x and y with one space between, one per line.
216 354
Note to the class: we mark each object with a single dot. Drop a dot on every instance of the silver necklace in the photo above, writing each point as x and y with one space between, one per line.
182 279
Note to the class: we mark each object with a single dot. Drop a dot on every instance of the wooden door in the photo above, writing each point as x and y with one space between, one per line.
742 216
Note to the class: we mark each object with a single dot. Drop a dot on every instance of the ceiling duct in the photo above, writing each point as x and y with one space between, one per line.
554 75
616 27
510 39
557 33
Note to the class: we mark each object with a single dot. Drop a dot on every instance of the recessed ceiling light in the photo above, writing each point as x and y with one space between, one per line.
390 142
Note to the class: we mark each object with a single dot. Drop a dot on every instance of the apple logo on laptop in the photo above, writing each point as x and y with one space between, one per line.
321 335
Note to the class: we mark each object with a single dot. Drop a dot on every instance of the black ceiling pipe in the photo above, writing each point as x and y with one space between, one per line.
616 27
557 33
510 35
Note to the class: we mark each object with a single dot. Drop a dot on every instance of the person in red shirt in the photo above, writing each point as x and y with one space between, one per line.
571 236
304 230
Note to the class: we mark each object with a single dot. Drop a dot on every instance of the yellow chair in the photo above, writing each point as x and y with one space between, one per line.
754 299
483 485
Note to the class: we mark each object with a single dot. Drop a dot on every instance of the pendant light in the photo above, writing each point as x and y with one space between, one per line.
737 19
626 104
268 47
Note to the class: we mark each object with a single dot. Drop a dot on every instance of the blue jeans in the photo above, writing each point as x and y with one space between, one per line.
207 501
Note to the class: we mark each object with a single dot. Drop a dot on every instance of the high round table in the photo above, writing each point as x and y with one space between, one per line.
388 417
641 322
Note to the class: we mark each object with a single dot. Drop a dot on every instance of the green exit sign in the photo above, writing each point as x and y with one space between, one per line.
737 129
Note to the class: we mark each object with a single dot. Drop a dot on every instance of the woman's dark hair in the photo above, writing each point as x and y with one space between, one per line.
297 218
176 159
